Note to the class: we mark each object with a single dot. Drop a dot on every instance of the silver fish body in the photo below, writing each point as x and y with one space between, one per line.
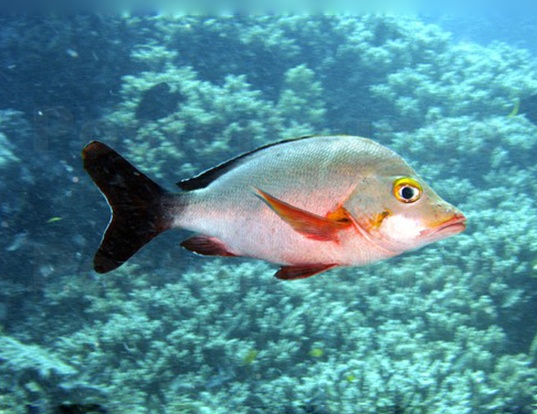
309 204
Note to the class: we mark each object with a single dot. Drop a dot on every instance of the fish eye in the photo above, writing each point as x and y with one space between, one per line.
407 190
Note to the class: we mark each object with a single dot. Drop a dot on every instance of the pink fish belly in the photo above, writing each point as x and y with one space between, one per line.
259 233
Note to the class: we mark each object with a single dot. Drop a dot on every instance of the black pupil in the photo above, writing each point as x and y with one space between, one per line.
407 193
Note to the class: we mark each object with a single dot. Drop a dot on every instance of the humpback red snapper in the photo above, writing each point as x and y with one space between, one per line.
309 205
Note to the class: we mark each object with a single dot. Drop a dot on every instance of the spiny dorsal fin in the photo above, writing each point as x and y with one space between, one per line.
205 178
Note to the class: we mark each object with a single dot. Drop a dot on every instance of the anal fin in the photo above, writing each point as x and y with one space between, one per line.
206 245
302 271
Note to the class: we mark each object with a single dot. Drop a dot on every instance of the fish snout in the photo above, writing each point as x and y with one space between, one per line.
455 223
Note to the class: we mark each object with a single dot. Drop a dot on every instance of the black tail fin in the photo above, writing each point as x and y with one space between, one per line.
140 207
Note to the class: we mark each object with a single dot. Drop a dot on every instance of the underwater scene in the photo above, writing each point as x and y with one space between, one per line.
450 328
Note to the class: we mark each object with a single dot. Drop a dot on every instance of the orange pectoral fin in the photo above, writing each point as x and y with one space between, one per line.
308 224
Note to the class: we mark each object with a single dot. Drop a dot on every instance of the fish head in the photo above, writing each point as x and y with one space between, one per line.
401 213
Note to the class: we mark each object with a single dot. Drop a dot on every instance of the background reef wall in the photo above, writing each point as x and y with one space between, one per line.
448 329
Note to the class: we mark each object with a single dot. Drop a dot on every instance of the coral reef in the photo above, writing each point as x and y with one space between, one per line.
448 329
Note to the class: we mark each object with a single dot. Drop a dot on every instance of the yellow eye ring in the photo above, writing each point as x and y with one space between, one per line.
407 190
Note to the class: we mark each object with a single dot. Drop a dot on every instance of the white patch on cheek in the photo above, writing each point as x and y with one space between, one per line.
402 228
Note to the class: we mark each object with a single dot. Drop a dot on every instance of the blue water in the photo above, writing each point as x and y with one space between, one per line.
450 328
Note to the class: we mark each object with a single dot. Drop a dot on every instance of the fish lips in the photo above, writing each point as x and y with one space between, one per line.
450 227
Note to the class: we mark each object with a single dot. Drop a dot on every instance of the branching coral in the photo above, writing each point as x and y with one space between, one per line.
465 79
212 122
444 330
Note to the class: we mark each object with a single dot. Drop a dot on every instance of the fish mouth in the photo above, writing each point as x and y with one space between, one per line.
454 225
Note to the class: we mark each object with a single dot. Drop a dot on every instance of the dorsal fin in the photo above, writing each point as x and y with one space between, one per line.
205 178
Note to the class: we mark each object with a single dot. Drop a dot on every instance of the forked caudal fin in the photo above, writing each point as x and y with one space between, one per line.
140 207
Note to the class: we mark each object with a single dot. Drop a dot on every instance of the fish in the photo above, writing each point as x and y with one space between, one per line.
316 352
526 106
158 102
308 204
